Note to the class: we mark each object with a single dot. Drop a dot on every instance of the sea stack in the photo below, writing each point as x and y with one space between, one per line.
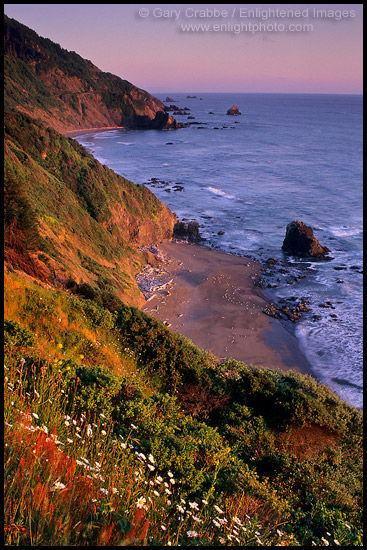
234 110
300 241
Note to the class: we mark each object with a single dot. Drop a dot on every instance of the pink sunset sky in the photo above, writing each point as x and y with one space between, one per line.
233 51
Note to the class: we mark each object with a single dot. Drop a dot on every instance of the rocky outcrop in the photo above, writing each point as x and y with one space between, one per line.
169 99
188 231
161 121
300 241
233 110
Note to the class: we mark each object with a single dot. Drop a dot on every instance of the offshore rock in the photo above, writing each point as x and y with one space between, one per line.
233 110
300 241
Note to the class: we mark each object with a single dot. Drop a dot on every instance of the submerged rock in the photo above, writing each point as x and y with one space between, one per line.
300 241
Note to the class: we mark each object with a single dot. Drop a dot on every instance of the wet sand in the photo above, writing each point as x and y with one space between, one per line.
210 297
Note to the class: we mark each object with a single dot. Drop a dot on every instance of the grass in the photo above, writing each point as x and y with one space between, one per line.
100 451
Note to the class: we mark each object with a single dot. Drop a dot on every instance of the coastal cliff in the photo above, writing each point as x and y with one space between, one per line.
69 218
68 92
69 221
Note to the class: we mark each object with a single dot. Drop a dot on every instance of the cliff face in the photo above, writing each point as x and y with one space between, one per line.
68 92
67 217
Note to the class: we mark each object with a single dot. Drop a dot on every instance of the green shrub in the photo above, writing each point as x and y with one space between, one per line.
17 336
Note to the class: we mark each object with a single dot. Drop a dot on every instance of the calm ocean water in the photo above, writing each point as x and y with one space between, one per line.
287 157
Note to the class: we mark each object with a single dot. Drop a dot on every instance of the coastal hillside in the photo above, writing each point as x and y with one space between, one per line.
118 431
69 220
68 92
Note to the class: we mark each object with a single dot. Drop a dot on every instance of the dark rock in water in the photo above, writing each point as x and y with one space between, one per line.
220 232
189 231
191 97
169 99
233 110
161 121
300 241
190 118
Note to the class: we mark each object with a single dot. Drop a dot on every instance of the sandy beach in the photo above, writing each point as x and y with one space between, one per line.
210 297
74 133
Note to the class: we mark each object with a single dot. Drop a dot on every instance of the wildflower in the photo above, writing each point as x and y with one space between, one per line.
105 491
133 426
151 458
204 501
35 415
325 541
156 493
337 542
194 505
103 432
59 346
89 431
69 440
140 503
180 509
58 486
192 534
102 415
67 423
151 468
216 523
163 527
218 509
170 474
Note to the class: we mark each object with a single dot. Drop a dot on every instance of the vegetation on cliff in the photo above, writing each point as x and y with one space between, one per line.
69 92
118 431
70 220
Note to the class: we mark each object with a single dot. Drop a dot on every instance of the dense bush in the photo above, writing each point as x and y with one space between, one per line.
171 360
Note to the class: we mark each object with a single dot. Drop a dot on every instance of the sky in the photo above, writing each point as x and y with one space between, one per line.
167 48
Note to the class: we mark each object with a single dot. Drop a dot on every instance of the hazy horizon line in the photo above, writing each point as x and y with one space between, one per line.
254 93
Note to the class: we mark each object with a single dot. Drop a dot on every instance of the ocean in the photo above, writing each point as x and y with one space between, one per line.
286 157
